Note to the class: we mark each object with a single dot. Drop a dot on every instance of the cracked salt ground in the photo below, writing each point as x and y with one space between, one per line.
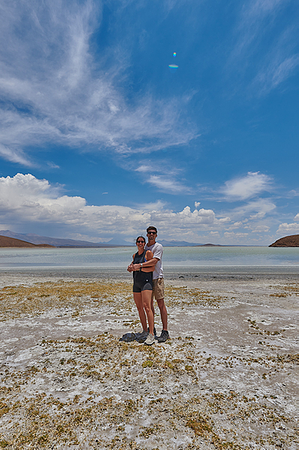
226 379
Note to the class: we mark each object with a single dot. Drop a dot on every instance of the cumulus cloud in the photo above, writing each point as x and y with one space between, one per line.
246 187
55 89
32 203
288 228
26 199
261 229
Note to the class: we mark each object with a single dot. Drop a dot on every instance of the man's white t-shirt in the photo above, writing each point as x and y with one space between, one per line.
157 250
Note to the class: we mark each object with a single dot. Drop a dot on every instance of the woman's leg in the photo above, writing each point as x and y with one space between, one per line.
147 298
139 305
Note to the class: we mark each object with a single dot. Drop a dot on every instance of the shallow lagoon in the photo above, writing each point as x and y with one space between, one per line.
186 259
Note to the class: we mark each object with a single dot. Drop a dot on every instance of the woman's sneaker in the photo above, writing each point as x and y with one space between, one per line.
164 336
141 337
155 332
150 340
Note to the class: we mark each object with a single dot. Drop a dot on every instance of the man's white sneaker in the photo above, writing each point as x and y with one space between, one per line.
150 340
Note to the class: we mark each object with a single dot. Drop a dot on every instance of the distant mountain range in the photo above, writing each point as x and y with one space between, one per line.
58 242
34 240
9 242
54 242
176 243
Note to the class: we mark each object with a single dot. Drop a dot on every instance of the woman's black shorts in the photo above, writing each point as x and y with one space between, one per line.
143 281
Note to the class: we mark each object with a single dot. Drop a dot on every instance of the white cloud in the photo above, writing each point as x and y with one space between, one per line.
249 186
30 203
26 199
55 89
265 48
254 19
288 228
167 185
275 72
254 210
261 229
15 156
234 238
236 225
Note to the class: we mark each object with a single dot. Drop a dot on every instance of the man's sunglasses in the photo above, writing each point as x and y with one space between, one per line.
151 232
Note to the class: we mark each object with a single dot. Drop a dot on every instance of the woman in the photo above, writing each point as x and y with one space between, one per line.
142 290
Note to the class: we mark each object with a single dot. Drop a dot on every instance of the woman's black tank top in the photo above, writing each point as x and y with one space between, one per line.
139 258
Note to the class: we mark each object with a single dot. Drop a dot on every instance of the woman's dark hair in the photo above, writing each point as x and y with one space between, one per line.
141 238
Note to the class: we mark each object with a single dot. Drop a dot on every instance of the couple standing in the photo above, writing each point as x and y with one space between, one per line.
149 282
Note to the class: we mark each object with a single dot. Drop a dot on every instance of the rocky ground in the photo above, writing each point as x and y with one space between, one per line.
227 378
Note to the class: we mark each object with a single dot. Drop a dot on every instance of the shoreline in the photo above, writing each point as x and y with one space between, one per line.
226 379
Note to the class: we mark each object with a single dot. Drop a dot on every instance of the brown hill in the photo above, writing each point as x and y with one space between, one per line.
287 241
17 243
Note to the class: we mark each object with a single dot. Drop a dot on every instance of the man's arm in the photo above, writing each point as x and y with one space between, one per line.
130 266
148 265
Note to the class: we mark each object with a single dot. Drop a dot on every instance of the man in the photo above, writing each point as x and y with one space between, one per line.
158 279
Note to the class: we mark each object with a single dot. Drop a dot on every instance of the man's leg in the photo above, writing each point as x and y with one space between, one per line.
159 296
163 312
152 306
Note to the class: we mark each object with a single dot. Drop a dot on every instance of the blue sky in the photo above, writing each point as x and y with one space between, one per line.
101 138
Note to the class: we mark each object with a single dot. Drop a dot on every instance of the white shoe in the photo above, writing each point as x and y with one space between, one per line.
150 340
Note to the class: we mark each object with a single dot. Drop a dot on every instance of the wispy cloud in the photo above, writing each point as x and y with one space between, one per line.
254 210
246 187
266 55
164 176
54 88
167 185
276 72
254 21
16 156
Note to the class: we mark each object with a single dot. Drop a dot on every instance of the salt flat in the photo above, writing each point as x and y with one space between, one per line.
228 378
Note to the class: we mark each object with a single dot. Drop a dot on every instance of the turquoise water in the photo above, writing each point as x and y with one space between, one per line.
175 258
